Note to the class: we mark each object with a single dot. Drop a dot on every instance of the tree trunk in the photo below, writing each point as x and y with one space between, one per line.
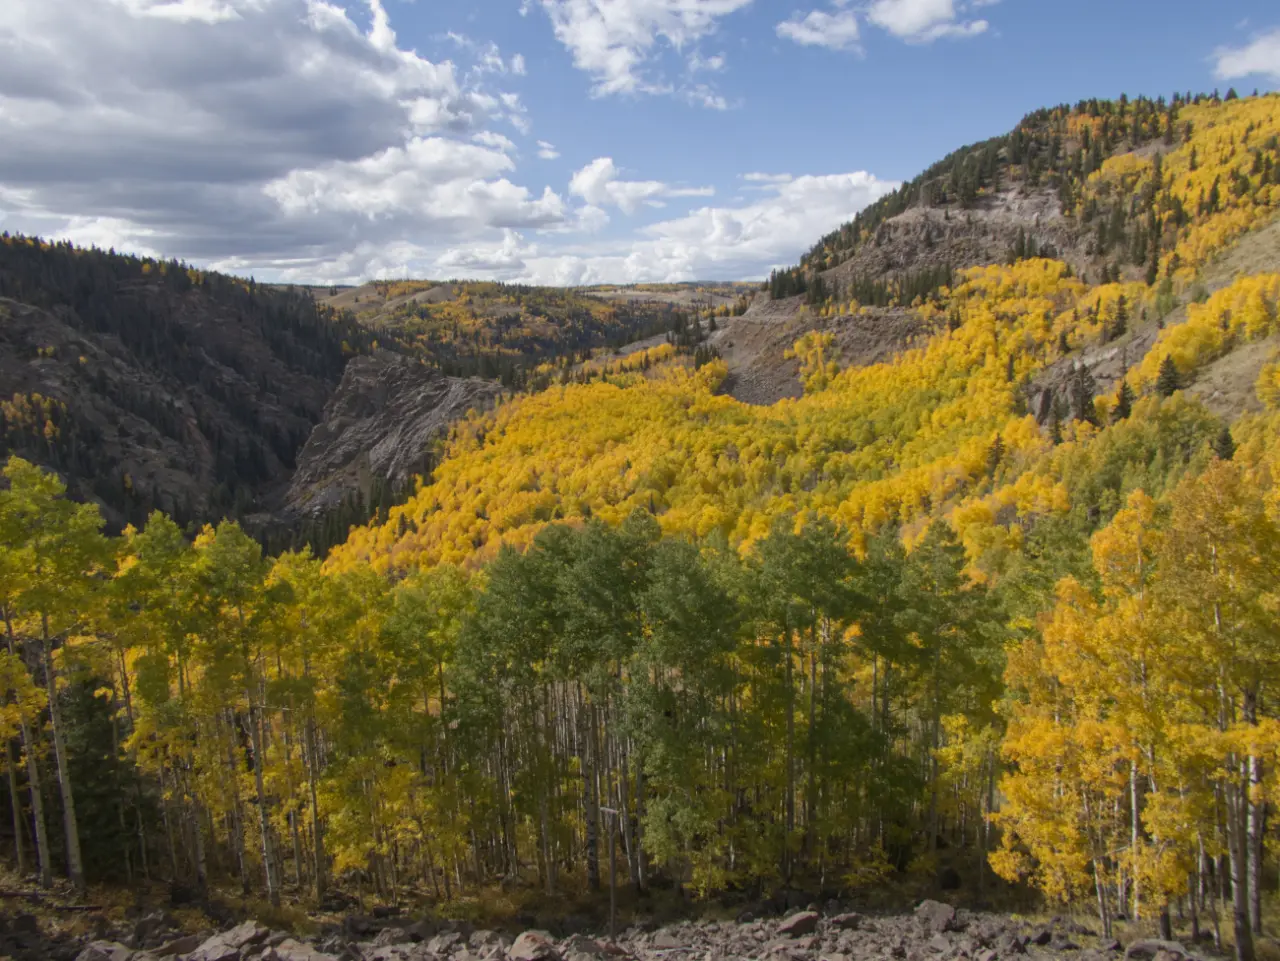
75 866
19 834
33 780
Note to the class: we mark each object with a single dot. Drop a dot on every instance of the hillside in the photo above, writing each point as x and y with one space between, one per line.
986 604
154 385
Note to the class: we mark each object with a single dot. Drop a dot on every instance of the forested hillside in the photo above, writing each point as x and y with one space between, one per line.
1005 602
154 385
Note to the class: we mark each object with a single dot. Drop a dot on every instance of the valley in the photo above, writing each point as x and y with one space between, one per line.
885 608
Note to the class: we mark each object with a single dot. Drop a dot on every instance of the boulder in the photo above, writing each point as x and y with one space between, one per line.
849 921
444 942
802 922
183 945
1041 938
665 940
291 950
1154 947
936 918
228 945
105 951
533 946
391 936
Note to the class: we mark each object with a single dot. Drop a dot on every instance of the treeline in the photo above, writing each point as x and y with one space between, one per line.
223 716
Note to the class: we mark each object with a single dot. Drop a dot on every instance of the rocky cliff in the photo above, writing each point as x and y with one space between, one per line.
381 423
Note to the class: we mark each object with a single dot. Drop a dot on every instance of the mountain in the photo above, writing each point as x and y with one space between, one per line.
150 384
153 385
995 302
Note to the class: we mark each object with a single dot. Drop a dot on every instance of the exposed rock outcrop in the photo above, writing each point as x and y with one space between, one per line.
382 422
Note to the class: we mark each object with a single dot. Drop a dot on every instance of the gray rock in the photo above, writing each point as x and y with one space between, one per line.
291 950
228 945
387 412
533 946
664 940
849 921
183 945
1153 947
391 936
936 917
105 951
444 942
1042 938
802 922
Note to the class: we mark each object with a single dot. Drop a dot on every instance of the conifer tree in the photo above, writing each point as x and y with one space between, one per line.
1169 381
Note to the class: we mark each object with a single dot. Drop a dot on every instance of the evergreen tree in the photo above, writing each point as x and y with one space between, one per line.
1124 403
1224 445
1168 381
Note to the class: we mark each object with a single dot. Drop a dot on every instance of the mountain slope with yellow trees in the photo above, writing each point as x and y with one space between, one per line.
1004 599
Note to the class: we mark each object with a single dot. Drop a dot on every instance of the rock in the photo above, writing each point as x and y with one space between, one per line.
746 917
358 925
802 922
940 944
1042 937
228 945
391 936
24 924
149 931
291 950
849 921
443 943
533 946
937 917
384 416
986 954
1112 945
183 945
664 940
105 951
1153 947
580 944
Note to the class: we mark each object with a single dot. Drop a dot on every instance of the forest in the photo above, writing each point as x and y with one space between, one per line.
897 627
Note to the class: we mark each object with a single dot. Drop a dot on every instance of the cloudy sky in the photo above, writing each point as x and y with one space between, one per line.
554 141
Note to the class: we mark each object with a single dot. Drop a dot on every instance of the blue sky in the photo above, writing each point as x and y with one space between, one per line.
553 141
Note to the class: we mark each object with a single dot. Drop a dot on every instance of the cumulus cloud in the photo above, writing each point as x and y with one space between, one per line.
738 242
1258 58
914 21
615 41
922 21
599 184
817 28
274 134
547 151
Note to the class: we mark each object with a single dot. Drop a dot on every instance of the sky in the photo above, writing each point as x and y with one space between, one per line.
564 142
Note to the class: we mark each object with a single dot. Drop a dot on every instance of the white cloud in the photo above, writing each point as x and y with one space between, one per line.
275 136
922 21
598 183
718 242
1260 57
915 21
547 151
614 41
817 28
497 141
518 65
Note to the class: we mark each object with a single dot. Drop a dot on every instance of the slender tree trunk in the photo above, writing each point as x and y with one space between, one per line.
19 832
75 866
34 786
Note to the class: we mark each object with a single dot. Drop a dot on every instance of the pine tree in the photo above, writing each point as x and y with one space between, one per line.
1224 445
1124 403
1168 381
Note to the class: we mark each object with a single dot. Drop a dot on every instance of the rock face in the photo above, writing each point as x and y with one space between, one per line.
381 422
